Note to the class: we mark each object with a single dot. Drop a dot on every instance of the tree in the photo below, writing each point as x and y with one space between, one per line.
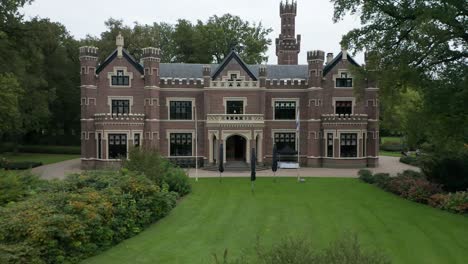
10 92
230 32
420 45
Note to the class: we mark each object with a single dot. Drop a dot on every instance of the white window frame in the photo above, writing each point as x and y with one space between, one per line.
110 98
179 131
106 138
352 99
235 99
275 131
175 99
274 100
338 76
114 73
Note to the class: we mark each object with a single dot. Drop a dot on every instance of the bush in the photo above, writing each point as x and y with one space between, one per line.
413 188
410 160
453 202
345 250
382 180
158 169
391 146
366 176
411 174
80 216
17 186
19 165
74 150
450 170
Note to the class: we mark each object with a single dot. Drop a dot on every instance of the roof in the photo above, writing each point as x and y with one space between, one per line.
233 56
184 70
126 55
335 61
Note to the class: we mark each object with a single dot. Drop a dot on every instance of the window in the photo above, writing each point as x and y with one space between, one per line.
343 107
181 144
235 107
117 146
344 81
233 77
120 79
181 110
348 148
285 110
330 145
286 143
99 146
120 107
136 140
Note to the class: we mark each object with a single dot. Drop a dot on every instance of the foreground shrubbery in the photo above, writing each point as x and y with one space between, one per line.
414 186
17 186
346 250
80 216
410 160
158 169
448 169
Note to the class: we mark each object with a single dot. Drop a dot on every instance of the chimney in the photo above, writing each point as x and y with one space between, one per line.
151 59
329 57
119 41
345 53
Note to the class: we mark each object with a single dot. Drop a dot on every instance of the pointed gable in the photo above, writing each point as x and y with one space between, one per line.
335 61
233 57
126 55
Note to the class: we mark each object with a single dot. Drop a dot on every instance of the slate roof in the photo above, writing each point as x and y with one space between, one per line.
126 55
184 70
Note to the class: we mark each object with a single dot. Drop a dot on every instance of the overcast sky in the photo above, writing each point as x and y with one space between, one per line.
313 22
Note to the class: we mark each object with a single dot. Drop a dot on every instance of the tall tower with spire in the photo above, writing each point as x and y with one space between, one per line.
288 45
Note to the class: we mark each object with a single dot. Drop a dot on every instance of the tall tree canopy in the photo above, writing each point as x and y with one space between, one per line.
187 42
420 45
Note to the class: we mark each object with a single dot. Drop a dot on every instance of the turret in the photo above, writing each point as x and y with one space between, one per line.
315 59
88 61
151 58
288 45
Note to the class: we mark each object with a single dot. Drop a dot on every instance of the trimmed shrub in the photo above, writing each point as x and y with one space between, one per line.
382 180
80 216
158 169
16 186
413 188
19 165
449 170
453 202
366 176
391 146
410 160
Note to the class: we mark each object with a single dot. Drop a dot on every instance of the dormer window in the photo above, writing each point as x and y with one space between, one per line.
233 77
344 80
120 79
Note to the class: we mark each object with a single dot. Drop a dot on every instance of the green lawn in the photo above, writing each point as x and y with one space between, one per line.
227 215
38 157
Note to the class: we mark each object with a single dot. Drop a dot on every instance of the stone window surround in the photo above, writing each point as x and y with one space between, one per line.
275 131
293 99
110 98
105 136
338 75
177 131
337 135
237 99
172 99
352 99
114 73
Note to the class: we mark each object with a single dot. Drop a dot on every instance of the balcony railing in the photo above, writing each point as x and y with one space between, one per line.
252 120
234 84
132 117
344 118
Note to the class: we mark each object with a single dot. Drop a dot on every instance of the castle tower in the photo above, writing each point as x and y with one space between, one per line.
288 45
315 60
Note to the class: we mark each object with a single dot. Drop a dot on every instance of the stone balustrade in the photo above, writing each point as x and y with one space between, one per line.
344 118
227 120
119 117
234 84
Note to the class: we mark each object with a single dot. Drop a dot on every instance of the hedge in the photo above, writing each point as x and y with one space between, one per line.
80 216
410 160
19 165
391 146
46 149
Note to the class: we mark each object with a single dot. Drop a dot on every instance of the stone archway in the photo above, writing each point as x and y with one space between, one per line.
236 148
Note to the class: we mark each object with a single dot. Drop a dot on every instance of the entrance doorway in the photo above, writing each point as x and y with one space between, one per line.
235 148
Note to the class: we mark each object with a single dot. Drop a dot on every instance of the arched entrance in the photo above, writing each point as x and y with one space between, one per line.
236 148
